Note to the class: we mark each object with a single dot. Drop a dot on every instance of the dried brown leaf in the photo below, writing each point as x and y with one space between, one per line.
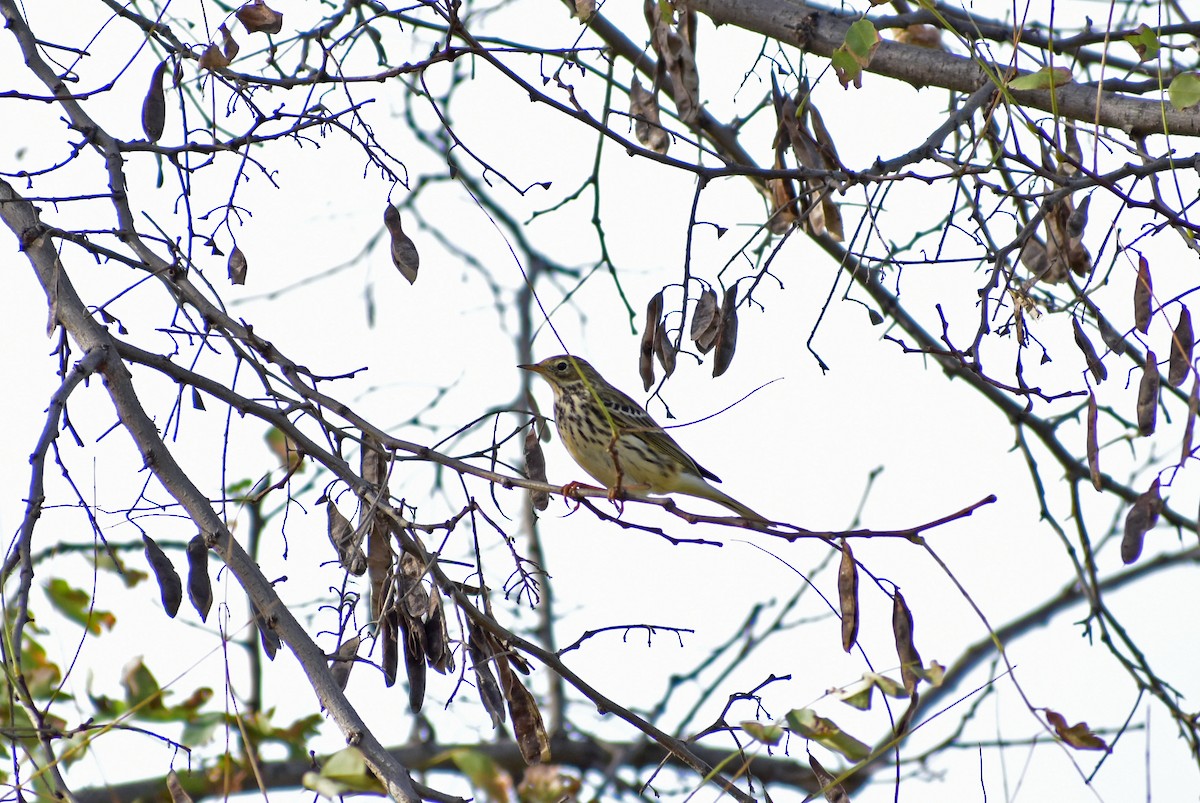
685 80
1140 520
1147 405
199 583
213 59
920 35
154 105
535 468
902 630
1089 352
257 17
238 266
175 789
1143 293
1181 349
1093 443
848 596
170 587
643 108
646 351
706 323
727 332
1079 736
229 46
404 252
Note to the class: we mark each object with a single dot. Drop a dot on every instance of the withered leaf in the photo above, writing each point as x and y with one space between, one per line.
1093 443
1143 292
257 17
685 80
643 108
706 324
727 332
266 632
920 35
154 105
343 661
170 587
237 266
848 596
664 349
1079 736
341 535
404 252
1147 405
535 468
646 351
1111 337
229 46
1073 154
1190 428
531 734
1140 520
1077 222
834 792
1181 349
1089 352
213 59
199 583
902 630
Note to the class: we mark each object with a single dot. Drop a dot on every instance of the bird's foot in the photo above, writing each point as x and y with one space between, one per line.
570 493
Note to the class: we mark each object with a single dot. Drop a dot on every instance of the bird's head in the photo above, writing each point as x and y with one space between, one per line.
564 370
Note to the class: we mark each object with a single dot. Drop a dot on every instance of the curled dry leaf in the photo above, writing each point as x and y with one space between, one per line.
783 201
1093 443
1079 736
1147 405
1089 352
170 587
1140 520
213 59
1143 293
1181 349
727 332
404 253
902 630
706 324
237 266
646 353
643 108
584 9
920 35
154 105
341 535
685 80
258 17
848 596
199 583
535 468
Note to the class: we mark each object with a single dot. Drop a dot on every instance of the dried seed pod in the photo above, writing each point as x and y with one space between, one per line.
535 468
199 583
902 629
848 596
664 349
170 587
1147 405
342 536
1181 349
343 661
1089 352
643 108
1093 443
404 253
1143 293
237 266
646 352
154 106
706 324
727 332
1190 428
1140 520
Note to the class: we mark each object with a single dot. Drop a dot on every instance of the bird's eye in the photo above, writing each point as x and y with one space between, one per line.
561 366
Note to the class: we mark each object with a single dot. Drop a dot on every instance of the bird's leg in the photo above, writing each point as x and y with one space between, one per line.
570 491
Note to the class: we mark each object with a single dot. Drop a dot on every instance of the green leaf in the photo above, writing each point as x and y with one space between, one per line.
826 733
1144 41
76 605
348 767
766 734
859 694
1184 90
1045 78
862 40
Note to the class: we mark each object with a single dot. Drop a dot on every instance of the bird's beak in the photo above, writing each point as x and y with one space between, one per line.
537 369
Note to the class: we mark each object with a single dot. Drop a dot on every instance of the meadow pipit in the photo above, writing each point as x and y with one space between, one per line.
612 438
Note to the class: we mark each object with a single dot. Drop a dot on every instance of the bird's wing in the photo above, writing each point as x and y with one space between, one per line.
629 415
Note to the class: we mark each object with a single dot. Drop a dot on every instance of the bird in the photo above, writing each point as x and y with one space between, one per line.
616 441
